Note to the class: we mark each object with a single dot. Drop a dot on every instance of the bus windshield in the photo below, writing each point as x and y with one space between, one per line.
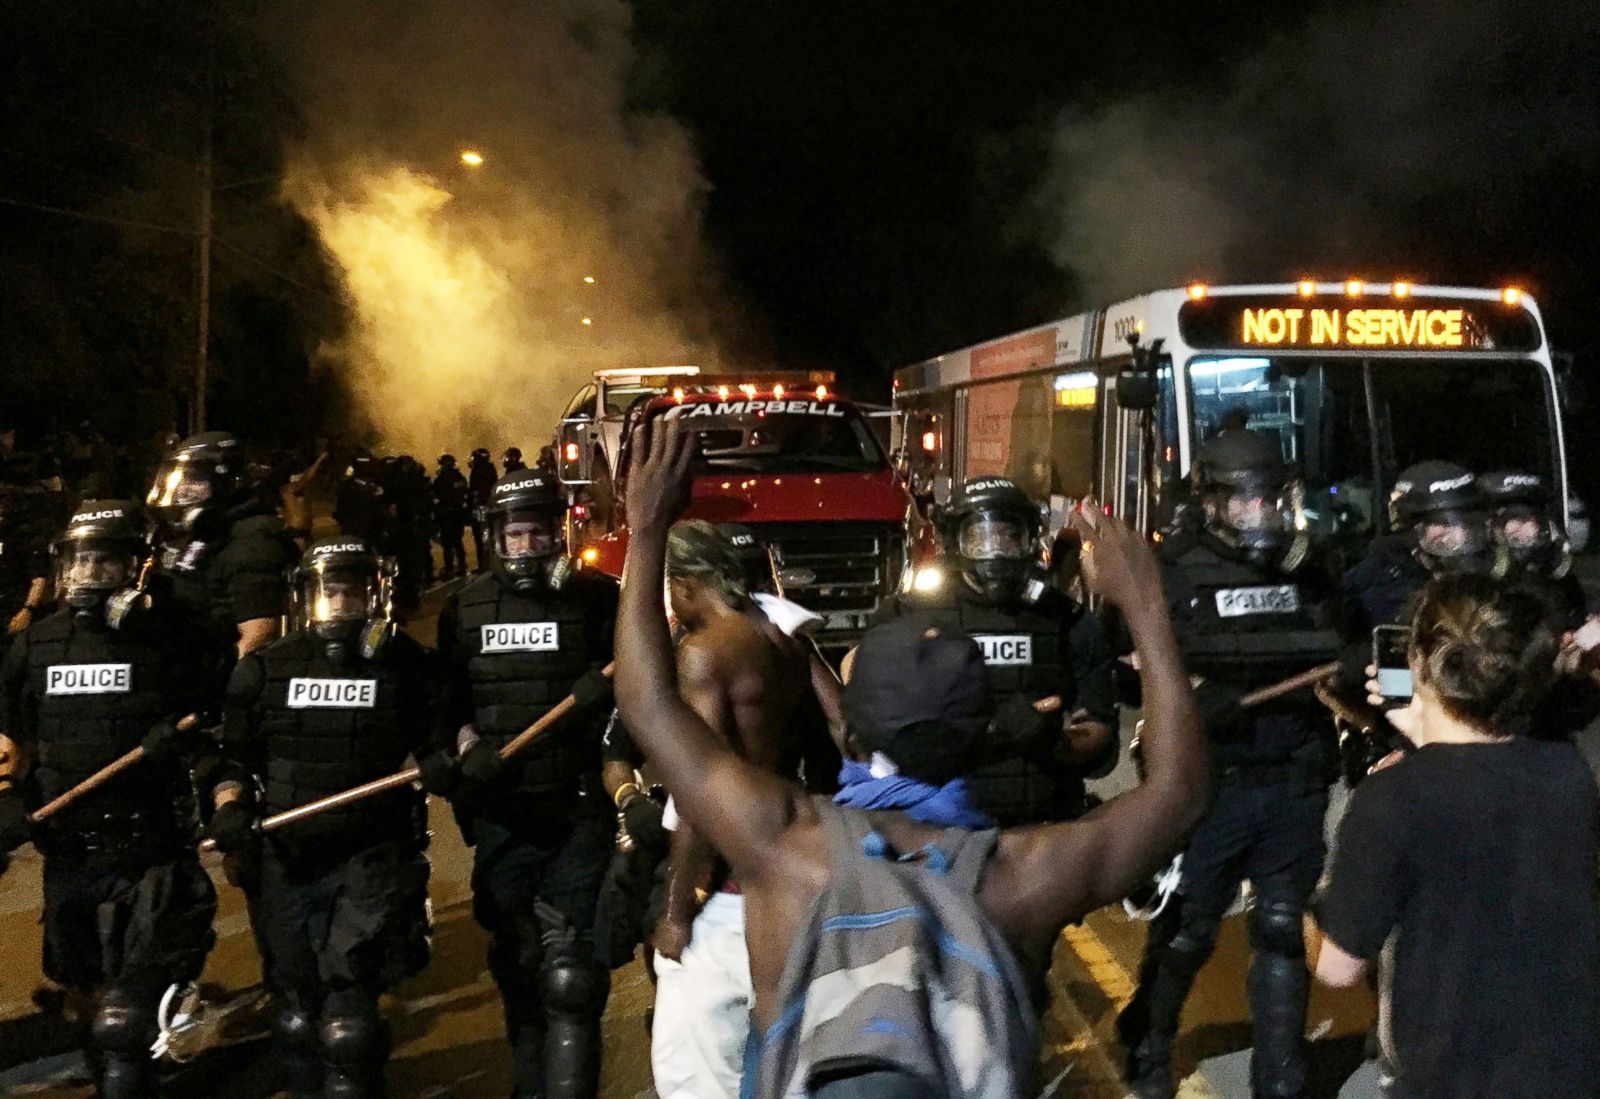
762 436
1485 414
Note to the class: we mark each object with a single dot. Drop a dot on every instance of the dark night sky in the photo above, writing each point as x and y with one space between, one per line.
885 180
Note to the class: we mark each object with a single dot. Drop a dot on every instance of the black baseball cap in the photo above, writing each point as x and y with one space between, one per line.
918 693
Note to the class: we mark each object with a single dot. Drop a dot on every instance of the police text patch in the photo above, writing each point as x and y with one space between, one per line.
522 637
88 679
332 694
1267 599
1005 649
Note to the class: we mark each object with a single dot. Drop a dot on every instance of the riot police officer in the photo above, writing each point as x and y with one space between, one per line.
28 520
481 478
1036 643
451 509
340 700
514 643
1438 523
1250 608
127 908
221 549
1522 523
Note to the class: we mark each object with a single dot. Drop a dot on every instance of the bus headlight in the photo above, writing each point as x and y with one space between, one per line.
923 578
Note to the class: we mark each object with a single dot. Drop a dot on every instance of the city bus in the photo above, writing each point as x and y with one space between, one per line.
1356 380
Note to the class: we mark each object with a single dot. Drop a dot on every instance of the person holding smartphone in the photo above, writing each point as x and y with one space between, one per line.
1473 859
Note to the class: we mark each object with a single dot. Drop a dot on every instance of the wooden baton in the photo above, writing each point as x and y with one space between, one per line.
101 777
410 774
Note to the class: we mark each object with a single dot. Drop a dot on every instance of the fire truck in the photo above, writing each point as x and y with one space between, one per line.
783 455
1356 380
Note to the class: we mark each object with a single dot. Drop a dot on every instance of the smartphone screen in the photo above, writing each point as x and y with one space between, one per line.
1389 645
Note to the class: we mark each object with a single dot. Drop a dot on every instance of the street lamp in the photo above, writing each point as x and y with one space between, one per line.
472 158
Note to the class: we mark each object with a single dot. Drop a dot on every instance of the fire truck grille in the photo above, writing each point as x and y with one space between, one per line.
838 570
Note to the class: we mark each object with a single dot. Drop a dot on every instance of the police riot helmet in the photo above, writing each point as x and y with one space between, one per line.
1521 521
524 515
990 529
341 595
1441 508
99 553
202 473
512 456
447 461
479 454
1246 490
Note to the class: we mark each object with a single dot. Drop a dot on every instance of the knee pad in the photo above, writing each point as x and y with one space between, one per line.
352 1033
123 1025
1277 927
574 987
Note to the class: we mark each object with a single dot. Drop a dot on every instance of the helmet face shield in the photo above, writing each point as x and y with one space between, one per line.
1453 535
90 570
1523 529
991 537
525 540
335 599
181 485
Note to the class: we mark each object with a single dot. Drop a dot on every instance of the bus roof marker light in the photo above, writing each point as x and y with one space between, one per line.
1511 295
1307 288
1401 289
822 392
1354 287
1197 291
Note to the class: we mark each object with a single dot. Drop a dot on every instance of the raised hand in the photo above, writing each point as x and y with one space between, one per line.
1117 562
658 476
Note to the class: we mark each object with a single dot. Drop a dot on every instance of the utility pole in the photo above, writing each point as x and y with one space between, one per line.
197 415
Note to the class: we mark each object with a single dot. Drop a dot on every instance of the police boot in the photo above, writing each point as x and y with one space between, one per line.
574 990
1279 986
355 1046
299 1048
122 1030
1176 950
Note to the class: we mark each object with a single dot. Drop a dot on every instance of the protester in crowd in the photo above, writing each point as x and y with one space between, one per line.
847 909
1476 854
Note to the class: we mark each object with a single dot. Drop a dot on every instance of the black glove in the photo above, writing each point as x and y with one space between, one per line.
1219 707
440 774
1019 729
233 828
592 689
166 742
481 769
15 828
641 816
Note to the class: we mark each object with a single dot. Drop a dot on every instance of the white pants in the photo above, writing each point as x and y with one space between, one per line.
702 1018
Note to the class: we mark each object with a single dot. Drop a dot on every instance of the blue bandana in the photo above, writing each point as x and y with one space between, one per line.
949 806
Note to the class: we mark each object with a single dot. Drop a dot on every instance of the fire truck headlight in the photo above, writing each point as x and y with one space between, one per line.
925 578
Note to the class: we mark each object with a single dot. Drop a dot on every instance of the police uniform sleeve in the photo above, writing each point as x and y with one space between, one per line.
243 748
256 582
17 715
453 696
1094 669
1362 900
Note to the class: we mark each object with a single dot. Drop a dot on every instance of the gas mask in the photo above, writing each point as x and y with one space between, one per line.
998 558
528 550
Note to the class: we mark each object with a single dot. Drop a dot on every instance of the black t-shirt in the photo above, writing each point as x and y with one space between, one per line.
1481 859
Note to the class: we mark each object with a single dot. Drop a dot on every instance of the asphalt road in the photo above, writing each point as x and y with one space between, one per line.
448 1028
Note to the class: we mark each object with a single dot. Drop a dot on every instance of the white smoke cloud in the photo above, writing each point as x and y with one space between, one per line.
467 286
1305 157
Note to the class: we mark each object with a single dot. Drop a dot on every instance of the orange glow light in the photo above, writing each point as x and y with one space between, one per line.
1307 288
822 392
722 391
1511 295
1197 291
677 395
1353 287
777 392
930 441
1402 289
591 555
572 452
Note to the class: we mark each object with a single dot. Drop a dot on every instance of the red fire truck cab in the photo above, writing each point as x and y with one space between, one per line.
784 455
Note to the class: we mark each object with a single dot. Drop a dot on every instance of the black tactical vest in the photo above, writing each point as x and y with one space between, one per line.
330 726
97 692
523 653
1248 626
1026 651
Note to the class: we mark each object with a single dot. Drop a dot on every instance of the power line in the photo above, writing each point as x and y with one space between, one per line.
103 219
126 142
240 253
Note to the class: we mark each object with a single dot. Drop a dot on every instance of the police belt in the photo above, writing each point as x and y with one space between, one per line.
132 835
